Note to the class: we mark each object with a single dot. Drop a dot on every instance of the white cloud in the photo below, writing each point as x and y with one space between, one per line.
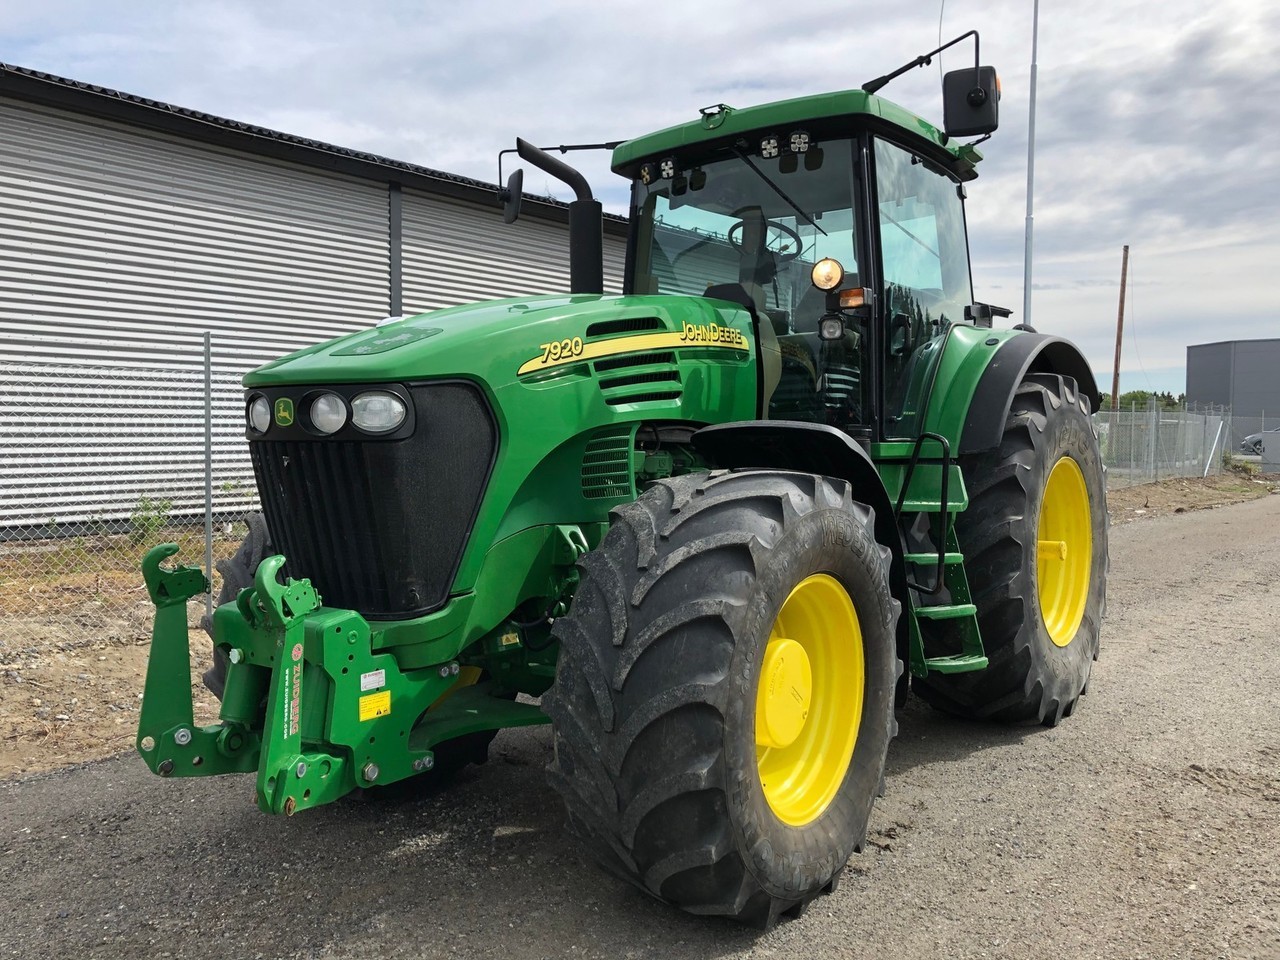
1155 122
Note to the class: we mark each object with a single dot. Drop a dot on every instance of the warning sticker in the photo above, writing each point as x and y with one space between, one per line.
375 705
372 680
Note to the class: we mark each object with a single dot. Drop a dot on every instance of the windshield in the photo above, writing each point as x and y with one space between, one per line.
761 223
741 219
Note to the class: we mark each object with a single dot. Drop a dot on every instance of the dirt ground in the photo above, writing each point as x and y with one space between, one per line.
1180 494
71 684
1145 826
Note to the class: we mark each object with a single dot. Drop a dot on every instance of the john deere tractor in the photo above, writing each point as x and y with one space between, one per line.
708 529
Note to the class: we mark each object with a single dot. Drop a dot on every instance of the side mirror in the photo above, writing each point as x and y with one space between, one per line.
970 102
981 314
510 198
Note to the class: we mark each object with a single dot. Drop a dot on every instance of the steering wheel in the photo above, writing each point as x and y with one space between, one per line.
782 228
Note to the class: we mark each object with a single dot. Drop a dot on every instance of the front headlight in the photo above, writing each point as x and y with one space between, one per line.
377 411
328 413
259 415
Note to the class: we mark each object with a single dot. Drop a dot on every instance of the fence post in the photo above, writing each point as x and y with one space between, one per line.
208 470
1153 442
1181 444
1133 424
1204 436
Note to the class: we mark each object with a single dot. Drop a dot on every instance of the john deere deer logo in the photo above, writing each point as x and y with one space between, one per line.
284 412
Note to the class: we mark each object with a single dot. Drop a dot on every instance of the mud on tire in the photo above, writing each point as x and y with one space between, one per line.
653 708
1029 678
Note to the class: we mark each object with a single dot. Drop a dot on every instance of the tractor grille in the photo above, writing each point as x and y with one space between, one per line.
379 526
606 465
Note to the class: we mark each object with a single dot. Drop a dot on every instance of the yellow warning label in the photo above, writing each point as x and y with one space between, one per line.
375 705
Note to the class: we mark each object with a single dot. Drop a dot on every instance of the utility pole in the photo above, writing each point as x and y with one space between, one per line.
1115 377
1031 168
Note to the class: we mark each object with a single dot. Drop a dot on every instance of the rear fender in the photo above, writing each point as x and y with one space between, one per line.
1013 361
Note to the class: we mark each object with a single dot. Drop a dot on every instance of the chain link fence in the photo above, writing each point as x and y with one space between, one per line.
1142 445
101 463
1256 437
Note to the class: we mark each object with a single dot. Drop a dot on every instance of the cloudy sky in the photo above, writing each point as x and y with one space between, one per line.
1158 124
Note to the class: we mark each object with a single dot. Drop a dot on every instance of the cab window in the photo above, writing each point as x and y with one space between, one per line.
924 259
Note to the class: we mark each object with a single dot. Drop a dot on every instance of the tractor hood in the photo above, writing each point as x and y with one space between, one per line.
499 340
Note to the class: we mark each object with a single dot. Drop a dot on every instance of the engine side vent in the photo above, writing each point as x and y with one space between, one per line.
644 397
634 360
606 465
606 328
639 378
656 376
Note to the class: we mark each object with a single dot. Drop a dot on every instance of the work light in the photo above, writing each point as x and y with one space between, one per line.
827 273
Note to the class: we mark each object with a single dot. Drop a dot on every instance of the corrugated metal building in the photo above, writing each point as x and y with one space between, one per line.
1241 375
129 227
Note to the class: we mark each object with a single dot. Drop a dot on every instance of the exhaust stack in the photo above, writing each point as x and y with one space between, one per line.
586 221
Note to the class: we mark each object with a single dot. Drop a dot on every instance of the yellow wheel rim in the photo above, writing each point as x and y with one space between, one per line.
809 700
1064 552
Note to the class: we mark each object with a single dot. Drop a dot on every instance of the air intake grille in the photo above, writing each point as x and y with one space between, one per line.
607 328
639 378
379 526
606 465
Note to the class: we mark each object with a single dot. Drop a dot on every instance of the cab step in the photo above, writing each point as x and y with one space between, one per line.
931 559
958 664
947 611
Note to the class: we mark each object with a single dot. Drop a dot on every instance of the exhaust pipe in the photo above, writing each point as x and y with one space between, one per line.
586 221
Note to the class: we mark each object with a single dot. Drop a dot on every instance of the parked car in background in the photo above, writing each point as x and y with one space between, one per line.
1257 442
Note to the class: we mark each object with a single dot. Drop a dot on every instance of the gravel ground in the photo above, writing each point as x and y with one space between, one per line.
1148 825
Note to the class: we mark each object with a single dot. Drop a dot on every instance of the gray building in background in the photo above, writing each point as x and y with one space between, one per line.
129 228
1242 375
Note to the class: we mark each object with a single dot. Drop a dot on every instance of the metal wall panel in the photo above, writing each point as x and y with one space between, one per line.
1209 373
1255 384
120 246
455 253
118 249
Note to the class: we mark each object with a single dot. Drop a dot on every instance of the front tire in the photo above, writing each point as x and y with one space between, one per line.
724 692
1035 545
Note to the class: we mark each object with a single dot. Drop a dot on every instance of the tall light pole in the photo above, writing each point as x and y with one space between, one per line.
1031 168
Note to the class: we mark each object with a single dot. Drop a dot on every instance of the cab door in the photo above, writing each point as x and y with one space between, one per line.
924 275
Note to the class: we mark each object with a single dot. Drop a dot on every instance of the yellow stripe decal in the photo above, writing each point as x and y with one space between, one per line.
700 335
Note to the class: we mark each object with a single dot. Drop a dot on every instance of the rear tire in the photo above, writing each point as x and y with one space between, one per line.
1032 676
656 705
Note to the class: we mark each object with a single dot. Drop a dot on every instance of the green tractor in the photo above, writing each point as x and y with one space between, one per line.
708 530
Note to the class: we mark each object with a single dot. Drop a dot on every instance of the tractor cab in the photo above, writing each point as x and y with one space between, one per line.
844 237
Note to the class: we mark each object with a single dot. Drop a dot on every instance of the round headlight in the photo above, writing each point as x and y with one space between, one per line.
259 416
827 274
328 413
377 411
